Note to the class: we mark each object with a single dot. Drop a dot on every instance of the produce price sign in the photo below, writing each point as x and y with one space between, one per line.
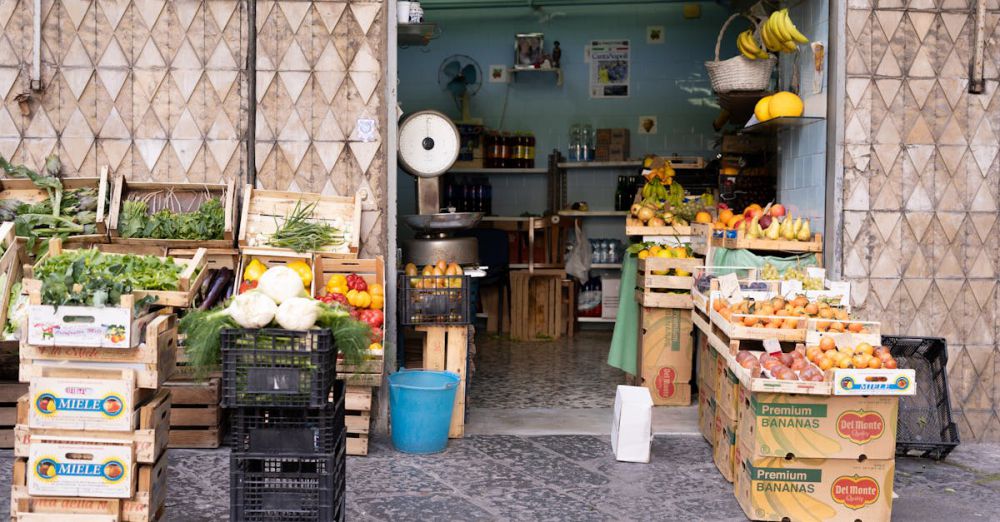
609 69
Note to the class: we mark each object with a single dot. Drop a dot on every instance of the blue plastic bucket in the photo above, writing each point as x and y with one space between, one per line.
420 405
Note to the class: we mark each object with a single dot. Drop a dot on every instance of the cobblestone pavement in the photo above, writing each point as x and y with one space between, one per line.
503 477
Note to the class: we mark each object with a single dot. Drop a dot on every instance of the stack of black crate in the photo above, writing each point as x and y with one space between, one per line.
288 436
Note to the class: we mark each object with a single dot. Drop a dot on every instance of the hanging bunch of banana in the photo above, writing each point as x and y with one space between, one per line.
749 47
779 33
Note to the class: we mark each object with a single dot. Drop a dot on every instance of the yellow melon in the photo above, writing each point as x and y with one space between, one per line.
762 109
785 104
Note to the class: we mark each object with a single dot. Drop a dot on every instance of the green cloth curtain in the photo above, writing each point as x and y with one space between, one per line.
722 257
625 340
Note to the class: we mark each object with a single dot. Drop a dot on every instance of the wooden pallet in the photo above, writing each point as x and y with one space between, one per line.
147 505
195 414
447 348
10 392
357 418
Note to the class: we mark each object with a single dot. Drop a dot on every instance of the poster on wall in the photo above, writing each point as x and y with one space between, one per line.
609 69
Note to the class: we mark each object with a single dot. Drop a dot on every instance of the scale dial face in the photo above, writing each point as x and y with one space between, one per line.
428 144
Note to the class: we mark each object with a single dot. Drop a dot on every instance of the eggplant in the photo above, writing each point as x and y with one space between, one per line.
220 282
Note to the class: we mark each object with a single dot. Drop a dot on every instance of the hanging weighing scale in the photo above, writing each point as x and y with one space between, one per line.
428 147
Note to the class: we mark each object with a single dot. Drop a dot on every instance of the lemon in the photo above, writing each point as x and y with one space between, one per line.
680 252
762 109
655 249
785 104
643 254
666 252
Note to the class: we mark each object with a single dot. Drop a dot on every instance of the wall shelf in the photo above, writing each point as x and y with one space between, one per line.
552 70
593 213
594 320
605 266
416 34
485 171
774 125
600 164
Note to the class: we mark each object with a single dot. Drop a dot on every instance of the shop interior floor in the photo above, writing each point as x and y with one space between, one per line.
667 420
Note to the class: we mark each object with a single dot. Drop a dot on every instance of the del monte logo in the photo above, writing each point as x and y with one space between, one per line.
49 404
50 469
855 492
859 426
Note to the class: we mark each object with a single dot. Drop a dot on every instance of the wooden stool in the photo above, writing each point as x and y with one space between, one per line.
447 348
536 304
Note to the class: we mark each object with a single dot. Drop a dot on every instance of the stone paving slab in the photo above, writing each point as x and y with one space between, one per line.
566 477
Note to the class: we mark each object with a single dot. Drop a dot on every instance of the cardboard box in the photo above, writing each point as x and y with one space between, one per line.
80 468
83 399
618 151
724 450
706 414
813 426
772 488
632 426
666 354
727 393
710 363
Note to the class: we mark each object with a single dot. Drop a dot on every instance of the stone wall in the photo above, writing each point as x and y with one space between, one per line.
920 189
158 90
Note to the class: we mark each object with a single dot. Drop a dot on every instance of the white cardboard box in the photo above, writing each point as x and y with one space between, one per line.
72 467
632 426
610 293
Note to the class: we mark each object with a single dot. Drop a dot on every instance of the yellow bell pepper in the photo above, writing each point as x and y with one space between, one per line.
376 289
337 284
303 270
362 299
377 302
254 270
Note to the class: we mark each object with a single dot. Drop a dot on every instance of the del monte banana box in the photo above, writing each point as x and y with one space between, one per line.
724 449
83 399
666 355
80 468
814 426
814 490
706 414
727 393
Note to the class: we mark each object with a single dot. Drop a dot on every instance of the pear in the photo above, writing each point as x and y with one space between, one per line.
772 231
797 225
759 233
752 228
804 233
787 231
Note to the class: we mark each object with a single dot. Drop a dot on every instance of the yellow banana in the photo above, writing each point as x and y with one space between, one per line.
774 23
750 43
791 29
767 37
789 46
742 46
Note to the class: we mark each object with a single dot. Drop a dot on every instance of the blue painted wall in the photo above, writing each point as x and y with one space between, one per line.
668 81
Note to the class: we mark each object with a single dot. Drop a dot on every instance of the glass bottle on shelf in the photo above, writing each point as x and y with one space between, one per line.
620 193
574 142
488 198
529 159
587 143
518 156
505 152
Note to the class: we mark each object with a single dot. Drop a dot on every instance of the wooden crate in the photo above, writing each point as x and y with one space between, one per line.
189 280
264 211
12 265
447 348
149 441
536 304
634 227
736 239
154 359
658 290
372 271
735 331
189 194
701 239
23 189
358 403
147 505
270 257
195 413
10 392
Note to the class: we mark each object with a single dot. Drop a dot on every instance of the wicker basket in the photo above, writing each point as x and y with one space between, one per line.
738 73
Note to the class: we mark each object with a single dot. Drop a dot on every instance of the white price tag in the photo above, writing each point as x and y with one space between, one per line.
791 288
729 287
842 288
816 272
772 346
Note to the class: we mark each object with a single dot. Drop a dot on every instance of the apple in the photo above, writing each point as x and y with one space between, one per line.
764 221
777 210
722 206
750 213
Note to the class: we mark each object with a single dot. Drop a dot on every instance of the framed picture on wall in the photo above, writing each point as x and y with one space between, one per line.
529 50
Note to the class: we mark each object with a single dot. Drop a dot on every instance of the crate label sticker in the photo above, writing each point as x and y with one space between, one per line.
859 426
50 470
785 480
855 492
665 379
49 404
873 382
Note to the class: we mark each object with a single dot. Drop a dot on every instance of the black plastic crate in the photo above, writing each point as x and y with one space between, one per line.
289 431
925 427
288 489
277 368
435 300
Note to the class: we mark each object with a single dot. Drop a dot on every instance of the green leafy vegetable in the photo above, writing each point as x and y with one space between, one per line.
91 278
301 234
208 222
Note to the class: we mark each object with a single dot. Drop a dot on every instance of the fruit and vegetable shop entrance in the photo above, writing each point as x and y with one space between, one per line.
607 154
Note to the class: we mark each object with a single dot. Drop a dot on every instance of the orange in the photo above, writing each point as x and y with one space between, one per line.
703 217
725 216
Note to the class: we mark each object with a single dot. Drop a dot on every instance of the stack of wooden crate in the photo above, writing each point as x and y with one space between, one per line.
666 347
91 434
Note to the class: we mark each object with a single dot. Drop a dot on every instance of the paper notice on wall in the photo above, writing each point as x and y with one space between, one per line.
609 68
